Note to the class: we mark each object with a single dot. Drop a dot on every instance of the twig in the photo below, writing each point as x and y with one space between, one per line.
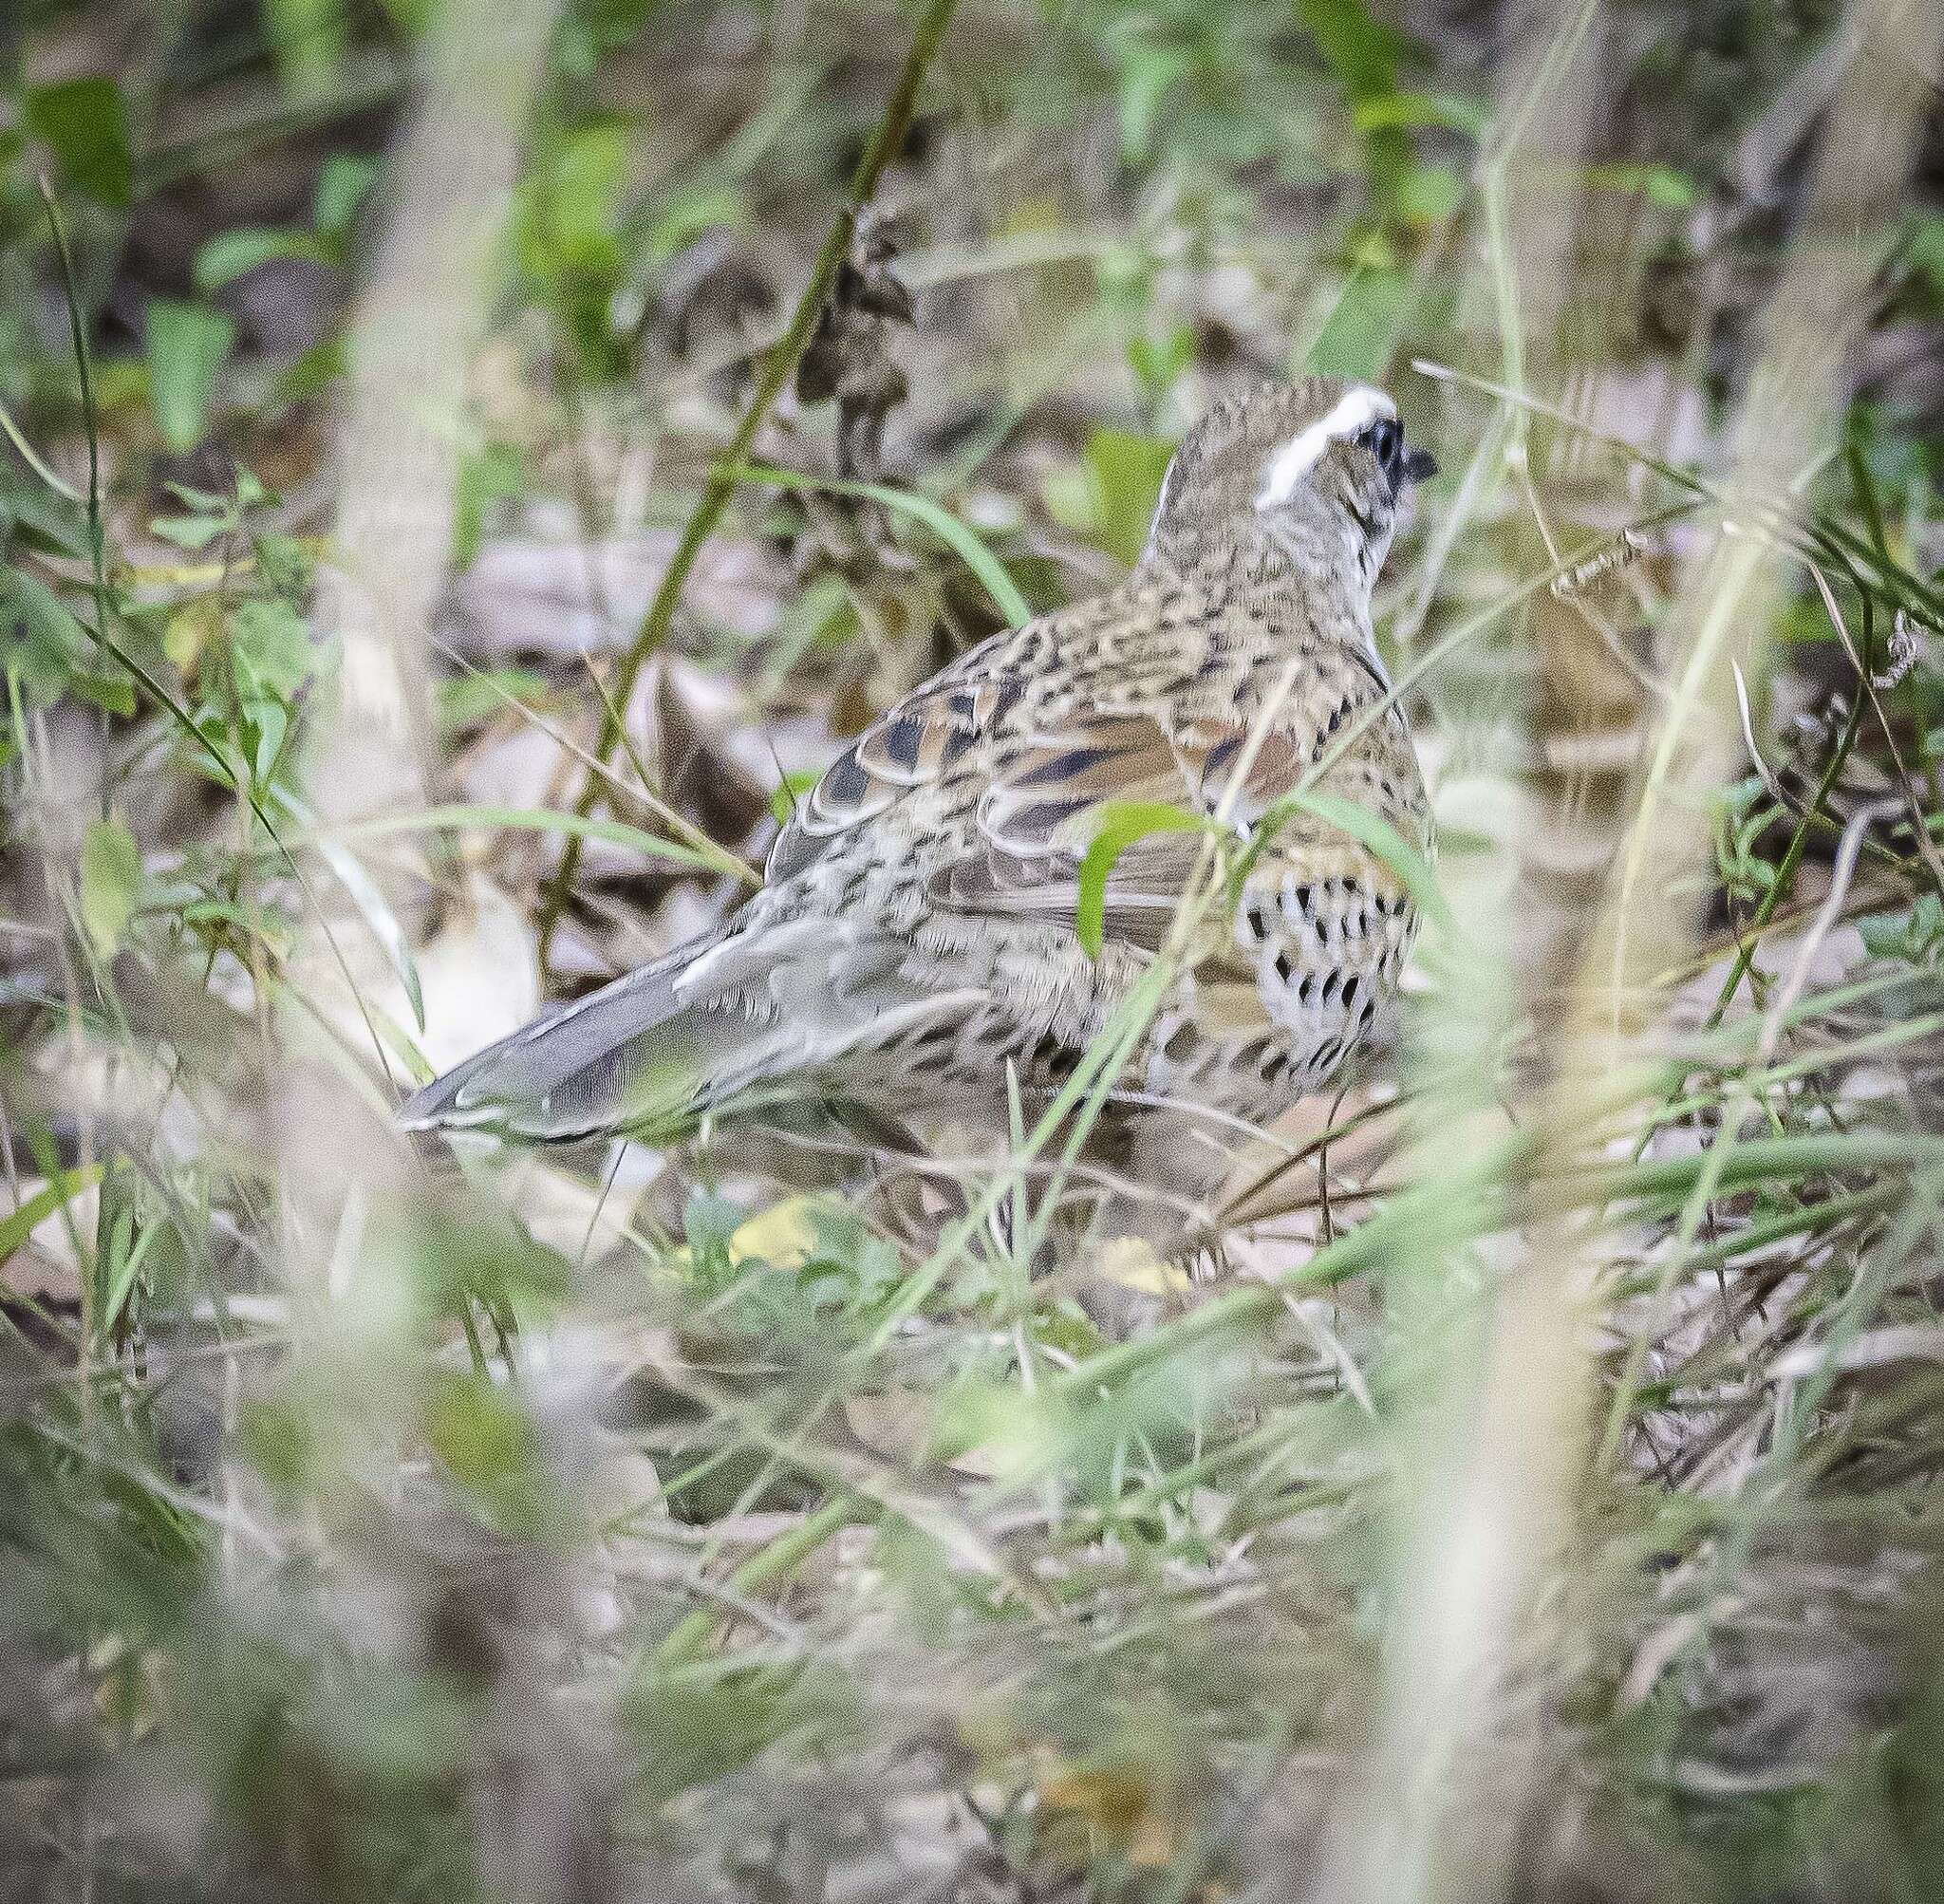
777 368
12 431
1843 872
1791 858
85 369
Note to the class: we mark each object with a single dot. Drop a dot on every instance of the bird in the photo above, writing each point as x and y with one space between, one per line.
915 943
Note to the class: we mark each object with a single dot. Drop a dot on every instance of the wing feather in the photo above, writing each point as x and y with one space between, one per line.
1041 812
918 742
1045 787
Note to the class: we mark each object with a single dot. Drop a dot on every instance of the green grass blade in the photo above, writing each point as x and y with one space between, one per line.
17 1225
531 819
963 542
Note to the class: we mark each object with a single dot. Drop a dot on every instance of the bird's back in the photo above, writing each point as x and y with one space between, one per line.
917 940
958 824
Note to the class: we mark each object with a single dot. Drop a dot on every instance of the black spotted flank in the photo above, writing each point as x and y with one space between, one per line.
1052 1056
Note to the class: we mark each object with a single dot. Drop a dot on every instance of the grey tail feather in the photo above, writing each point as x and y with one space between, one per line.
567 1074
718 1024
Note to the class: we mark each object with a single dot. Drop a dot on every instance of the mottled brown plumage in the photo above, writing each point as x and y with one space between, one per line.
917 931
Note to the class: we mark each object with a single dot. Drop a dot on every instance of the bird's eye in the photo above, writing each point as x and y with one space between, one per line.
1385 440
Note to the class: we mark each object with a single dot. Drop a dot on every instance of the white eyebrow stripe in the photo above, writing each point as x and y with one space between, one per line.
1357 409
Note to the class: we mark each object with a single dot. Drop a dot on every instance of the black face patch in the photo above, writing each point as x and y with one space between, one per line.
1401 463
1385 440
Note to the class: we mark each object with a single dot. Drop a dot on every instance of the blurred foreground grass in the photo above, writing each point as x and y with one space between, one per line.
1532 1493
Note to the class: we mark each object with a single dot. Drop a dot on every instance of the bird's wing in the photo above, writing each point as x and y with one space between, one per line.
1045 802
1039 791
928 735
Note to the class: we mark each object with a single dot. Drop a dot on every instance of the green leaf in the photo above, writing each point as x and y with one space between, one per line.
1361 53
1925 252
1358 339
229 255
1660 185
18 1224
287 566
203 501
340 189
493 472
188 345
39 640
784 797
192 533
1428 195
1122 822
87 124
1146 79
411 17
308 40
573 204
124 1267
266 726
1377 113
113 693
274 654
1158 361
490 1445
1125 472
1914 937
45 521
110 884
1364 56
689 212
708 1223
963 542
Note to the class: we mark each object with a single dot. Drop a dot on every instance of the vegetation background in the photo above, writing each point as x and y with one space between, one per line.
467 463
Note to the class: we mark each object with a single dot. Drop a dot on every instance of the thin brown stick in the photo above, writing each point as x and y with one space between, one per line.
776 370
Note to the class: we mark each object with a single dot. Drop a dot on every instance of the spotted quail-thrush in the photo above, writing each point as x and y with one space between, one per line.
917 929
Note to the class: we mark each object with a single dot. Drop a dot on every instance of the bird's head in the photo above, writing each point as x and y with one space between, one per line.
1318 467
